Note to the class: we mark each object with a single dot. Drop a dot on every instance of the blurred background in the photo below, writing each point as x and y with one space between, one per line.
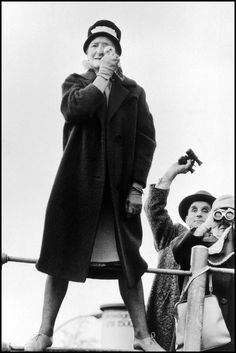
182 53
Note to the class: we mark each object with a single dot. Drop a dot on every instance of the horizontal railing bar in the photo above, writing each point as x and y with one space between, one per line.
6 258
21 259
222 270
169 271
9 348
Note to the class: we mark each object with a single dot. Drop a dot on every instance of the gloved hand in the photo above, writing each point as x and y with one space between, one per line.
109 63
133 205
206 228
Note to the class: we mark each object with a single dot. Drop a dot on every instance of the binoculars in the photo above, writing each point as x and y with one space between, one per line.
219 214
192 156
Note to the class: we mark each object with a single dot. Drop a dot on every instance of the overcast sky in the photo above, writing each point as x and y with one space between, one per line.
180 52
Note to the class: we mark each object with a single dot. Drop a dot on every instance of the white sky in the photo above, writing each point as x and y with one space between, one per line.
180 52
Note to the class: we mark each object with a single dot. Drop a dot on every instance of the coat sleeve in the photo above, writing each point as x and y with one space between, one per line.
145 141
79 101
182 249
163 229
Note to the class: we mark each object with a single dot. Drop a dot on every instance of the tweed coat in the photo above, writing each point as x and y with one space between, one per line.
165 289
99 140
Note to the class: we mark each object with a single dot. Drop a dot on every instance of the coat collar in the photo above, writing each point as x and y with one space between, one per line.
226 252
120 89
89 76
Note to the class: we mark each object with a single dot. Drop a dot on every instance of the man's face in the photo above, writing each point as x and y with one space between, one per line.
197 213
224 218
95 50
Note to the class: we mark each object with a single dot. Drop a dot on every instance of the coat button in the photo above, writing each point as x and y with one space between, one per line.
118 138
223 301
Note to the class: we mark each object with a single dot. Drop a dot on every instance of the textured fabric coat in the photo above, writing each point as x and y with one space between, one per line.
117 141
165 289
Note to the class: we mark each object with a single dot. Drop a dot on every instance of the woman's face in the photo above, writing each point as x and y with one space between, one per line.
96 51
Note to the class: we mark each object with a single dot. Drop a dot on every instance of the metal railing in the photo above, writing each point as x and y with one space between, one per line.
195 303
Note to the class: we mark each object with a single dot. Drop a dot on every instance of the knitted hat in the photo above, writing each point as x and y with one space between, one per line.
223 201
198 196
104 28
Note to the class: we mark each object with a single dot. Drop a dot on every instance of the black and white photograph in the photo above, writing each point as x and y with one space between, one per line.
118 228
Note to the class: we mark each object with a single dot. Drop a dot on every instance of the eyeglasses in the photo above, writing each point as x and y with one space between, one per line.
219 214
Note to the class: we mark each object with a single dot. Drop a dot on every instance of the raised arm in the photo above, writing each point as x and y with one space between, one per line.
163 228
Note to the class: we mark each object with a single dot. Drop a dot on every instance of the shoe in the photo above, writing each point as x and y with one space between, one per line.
38 343
148 345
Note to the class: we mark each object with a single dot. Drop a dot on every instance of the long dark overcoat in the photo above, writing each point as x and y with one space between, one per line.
117 140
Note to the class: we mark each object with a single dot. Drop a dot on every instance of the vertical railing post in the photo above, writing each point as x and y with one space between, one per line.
195 305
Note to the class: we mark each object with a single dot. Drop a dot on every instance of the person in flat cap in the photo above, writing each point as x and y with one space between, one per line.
193 210
92 225
217 233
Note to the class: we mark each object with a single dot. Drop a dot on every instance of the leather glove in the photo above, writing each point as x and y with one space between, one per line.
133 205
109 63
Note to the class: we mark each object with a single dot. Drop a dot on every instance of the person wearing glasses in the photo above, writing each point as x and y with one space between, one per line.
93 213
193 210
217 233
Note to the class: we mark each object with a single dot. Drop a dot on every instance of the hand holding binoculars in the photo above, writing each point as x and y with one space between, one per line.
109 50
192 156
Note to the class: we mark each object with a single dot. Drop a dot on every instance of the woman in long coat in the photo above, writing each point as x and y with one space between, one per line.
95 203
100 144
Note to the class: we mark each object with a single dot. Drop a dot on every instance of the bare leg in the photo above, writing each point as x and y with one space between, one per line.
134 301
55 290
54 294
